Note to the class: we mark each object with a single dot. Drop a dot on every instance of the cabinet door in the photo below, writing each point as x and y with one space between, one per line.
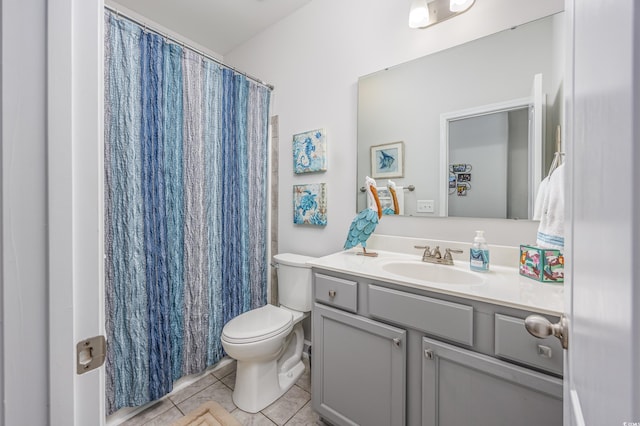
461 387
358 369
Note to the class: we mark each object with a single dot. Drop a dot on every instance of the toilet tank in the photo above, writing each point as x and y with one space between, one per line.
294 281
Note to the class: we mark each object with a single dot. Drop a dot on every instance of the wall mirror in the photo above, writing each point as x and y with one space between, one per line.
468 131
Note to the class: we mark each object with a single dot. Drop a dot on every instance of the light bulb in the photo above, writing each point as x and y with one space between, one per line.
460 5
418 14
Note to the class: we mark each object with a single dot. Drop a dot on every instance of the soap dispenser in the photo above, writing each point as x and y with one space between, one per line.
479 253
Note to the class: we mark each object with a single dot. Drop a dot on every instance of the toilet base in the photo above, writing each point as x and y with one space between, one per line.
289 378
258 384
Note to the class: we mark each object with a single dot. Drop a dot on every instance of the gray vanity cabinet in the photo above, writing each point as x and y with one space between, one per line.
461 387
358 369
385 354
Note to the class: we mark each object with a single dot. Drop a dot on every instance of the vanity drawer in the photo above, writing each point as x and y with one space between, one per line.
451 321
336 292
514 342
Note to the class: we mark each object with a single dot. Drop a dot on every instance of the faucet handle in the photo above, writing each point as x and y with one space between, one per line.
447 254
427 251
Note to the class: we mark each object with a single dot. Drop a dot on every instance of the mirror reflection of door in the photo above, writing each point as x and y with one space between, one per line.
503 146
495 145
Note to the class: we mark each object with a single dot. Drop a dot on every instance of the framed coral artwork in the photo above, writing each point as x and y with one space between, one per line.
310 152
387 161
310 204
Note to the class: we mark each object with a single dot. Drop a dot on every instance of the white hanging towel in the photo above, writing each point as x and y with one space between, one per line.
551 228
541 197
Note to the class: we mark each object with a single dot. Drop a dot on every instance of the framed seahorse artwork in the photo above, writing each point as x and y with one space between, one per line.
310 204
310 152
387 161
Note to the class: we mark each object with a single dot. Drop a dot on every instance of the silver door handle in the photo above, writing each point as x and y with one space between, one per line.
332 293
541 328
397 342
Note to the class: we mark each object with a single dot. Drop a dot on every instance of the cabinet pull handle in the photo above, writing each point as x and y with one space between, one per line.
428 353
332 293
397 342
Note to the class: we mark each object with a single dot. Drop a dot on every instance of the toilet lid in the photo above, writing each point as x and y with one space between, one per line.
257 324
291 259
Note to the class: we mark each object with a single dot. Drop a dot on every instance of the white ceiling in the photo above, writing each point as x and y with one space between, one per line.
218 25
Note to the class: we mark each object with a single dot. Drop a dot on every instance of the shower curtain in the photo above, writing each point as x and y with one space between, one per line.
185 209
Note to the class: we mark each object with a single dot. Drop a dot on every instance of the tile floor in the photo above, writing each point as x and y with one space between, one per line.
292 409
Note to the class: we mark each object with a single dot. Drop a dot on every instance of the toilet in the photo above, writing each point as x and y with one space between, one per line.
267 342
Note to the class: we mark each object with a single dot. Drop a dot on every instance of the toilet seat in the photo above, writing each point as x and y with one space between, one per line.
258 324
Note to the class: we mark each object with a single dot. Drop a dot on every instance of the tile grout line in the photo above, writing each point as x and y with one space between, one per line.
294 414
303 405
181 412
191 396
161 413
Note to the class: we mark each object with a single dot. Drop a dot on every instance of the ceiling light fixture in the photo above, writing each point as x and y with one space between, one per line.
418 14
425 13
460 5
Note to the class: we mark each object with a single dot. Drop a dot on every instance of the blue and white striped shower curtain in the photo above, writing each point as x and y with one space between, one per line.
185 209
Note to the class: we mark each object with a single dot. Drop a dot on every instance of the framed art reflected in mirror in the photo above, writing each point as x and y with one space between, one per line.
387 160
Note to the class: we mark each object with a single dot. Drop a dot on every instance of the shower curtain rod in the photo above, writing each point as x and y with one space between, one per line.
185 46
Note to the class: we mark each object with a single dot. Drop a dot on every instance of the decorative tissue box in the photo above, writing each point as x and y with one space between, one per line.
545 265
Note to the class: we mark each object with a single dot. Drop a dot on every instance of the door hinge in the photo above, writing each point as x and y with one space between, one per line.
90 354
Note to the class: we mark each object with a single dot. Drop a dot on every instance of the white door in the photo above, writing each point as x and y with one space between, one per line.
75 141
602 380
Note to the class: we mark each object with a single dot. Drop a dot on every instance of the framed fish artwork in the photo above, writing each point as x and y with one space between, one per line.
387 161
310 152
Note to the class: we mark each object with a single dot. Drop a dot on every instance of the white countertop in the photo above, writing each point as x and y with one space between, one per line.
502 285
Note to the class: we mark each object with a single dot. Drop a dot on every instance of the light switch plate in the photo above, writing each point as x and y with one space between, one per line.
425 206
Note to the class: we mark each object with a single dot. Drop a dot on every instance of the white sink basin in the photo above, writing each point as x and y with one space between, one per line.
440 274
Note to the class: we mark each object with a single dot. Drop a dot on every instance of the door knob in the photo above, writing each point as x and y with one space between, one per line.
541 327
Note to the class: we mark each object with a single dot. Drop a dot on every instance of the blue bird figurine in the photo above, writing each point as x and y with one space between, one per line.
366 221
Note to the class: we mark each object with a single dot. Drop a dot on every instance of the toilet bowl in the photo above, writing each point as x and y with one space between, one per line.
267 342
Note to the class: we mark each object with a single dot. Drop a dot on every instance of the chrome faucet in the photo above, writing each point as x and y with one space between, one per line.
436 257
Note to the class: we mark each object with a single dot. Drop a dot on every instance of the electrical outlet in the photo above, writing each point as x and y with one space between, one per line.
425 206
